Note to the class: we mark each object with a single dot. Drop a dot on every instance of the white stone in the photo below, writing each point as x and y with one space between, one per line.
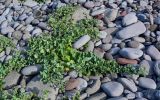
113 89
131 53
131 31
81 41
129 19
30 3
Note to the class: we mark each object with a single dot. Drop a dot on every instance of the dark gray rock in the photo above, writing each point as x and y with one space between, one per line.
153 52
131 31
7 30
99 52
128 84
31 70
112 89
11 80
17 35
147 83
94 87
131 53
90 46
148 66
38 87
81 41
129 19
97 96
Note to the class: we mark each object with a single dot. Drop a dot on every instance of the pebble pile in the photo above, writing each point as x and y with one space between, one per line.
129 34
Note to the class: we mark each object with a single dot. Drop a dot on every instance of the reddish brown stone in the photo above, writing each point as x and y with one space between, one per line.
71 84
102 28
126 61
123 13
153 27
100 16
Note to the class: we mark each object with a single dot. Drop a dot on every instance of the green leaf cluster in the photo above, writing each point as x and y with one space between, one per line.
55 53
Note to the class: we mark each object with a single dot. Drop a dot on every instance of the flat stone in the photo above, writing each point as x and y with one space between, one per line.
22 17
97 96
129 19
112 30
143 3
157 94
26 36
126 61
149 94
131 53
108 56
94 87
99 52
147 83
8 50
139 39
71 84
107 39
36 31
89 4
2 18
106 47
11 80
81 41
131 31
133 44
110 14
83 96
6 12
30 3
73 74
116 40
29 28
29 19
128 84
157 68
37 87
98 12
114 50
81 1
147 57
2 59
131 96
90 46
102 34
148 66
153 52
118 98
157 20
158 45
98 43
35 21
153 27
17 35
141 99
4 24
8 2
80 13
112 89
2 54
8 58
122 45
31 70
7 30
43 26
82 84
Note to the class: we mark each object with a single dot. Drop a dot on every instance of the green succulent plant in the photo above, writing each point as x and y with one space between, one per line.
55 53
